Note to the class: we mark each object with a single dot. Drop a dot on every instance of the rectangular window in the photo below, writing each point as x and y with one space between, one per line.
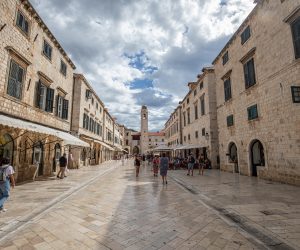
249 73
187 101
202 101
196 111
59 106
88 94
252 112
227 89
47 50
188 116
44 97
22 22
184 138
229 120
96 105
65 109
196 134
295 93
225 58
203 132
15 80
63 68
296 36
245 35
189 136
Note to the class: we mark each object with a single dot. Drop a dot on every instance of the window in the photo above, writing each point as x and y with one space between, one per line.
249 73
227 89
252 112
201 85
245 35
188 116
85 122
196 111
15 80
92 100
202 105
196 134
184 120
296 36
22 22
189 136
296 94
184 138
229 120
88 94
203 132
195 92
59 105
225 58
162 140
44 97
97 105
187 101
149 139
47 50
65 109
63 68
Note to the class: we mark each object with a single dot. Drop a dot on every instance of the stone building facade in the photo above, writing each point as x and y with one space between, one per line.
198 119
36 88
173 129
88 123
258 89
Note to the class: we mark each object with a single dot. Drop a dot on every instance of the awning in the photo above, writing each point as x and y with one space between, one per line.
162 148
189 146
18 123
107 146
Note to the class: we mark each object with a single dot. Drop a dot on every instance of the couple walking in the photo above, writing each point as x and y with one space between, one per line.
158 162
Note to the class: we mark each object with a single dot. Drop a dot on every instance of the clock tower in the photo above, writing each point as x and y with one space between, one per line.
144 130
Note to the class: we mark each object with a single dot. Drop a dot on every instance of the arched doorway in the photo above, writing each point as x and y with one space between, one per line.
57 154
257 156
6 147
136 150
233 156
38 157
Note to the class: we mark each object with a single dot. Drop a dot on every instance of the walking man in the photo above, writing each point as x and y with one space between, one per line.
62 165
191 162
6 179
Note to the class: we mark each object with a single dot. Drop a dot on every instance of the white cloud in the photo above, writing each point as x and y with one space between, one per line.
178 37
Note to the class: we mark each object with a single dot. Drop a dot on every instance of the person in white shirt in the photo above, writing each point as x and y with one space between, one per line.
6 180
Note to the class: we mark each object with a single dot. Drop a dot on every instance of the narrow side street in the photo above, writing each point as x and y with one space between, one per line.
107 207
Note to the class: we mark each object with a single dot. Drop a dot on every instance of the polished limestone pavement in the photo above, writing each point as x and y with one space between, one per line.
107 207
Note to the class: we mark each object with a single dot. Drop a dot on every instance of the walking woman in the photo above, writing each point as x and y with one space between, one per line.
201 164
164 165
137 164
6 181
155 165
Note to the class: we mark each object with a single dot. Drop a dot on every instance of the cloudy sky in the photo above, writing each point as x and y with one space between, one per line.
142 52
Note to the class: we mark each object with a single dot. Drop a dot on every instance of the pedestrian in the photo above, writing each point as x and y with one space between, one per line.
62 166
6 181
201 164
155 165
122 160
191 162
164 166
137 164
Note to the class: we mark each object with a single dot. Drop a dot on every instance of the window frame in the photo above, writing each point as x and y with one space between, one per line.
202 104
16 80
63 68
247 72
296 45
49 57
250 115
230 120
25 19
227 89
225 57
295 97
245 32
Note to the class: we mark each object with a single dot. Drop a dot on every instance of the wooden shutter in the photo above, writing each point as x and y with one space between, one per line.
49 100
38 94
65 109
56 103
246 75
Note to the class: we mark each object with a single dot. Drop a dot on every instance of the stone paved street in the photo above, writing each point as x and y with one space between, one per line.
114 210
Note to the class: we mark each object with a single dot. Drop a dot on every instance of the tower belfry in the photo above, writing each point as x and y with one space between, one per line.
144 129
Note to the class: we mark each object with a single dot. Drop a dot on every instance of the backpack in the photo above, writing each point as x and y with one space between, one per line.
3 176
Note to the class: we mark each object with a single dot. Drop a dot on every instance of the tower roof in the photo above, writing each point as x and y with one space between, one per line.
144 107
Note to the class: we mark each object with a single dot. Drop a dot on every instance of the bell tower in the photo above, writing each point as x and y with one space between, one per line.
144 130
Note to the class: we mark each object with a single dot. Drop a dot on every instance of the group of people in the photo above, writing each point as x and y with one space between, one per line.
199 162
158 163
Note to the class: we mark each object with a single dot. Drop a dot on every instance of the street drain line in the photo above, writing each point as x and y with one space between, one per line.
22 222
247 226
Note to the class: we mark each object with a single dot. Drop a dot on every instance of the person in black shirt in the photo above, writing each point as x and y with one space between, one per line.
62 165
